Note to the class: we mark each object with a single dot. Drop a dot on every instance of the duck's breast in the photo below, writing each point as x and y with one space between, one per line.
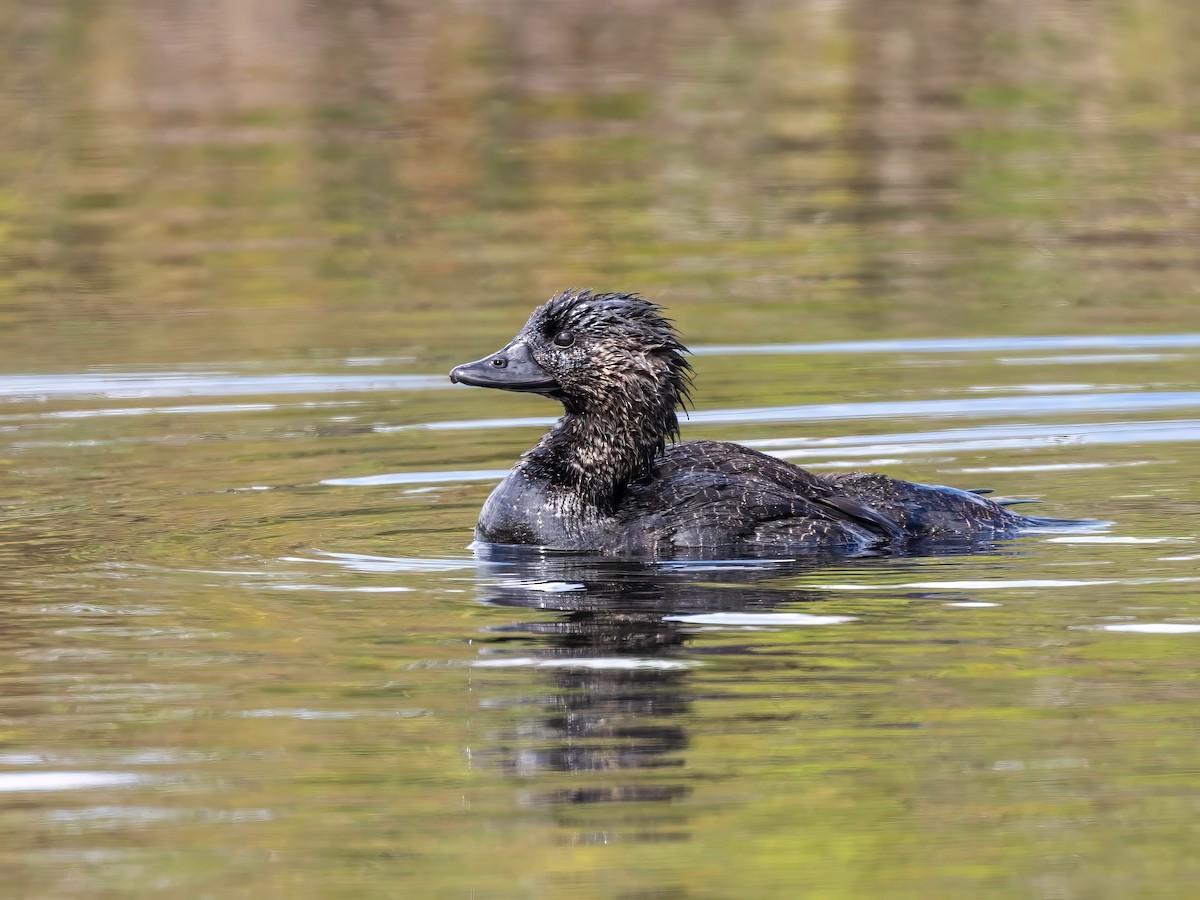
527 510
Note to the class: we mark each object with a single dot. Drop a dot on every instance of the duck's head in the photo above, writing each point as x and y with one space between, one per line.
611 354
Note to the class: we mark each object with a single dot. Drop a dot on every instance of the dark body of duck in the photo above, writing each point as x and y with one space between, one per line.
605 479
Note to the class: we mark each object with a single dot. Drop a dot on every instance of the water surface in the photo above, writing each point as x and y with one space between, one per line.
247 651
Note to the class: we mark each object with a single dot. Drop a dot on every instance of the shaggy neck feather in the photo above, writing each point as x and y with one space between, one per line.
596 452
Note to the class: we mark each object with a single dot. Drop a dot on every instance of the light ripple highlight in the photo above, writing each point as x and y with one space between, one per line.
743 619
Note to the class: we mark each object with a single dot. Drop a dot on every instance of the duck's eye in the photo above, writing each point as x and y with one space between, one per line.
564 339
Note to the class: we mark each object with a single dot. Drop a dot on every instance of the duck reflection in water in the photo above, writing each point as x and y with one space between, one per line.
620 692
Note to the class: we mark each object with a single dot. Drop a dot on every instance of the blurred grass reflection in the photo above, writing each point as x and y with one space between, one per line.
220 181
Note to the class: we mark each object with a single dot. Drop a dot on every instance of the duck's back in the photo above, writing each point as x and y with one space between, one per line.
932 512
719 496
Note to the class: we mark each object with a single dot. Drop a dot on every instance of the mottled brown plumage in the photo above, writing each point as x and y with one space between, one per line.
605 479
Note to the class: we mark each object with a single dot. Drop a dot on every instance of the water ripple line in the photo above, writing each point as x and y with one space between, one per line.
967 407
962 345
